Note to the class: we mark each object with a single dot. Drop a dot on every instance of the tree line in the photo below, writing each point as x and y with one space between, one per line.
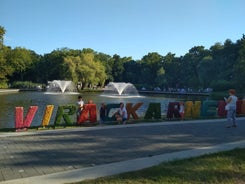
220 67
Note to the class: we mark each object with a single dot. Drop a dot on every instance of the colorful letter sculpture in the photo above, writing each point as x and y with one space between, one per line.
188 109
243 107
196 109
192 110
173 110
153 111
64 112
239 107
88 113
109 107
47 115
221 108
209 108
21 123
131 110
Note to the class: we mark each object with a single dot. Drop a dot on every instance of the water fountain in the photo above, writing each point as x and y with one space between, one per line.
120 89
60 86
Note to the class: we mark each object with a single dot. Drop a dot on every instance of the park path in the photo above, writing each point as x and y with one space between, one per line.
41 153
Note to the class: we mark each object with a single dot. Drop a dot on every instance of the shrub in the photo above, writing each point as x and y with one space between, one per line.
222 85
25 85
3 85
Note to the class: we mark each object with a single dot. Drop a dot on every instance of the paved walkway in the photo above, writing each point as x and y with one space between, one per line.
75 154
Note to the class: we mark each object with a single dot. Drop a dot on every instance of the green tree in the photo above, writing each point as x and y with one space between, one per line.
131 72
190 64
150 66
230 60
160 79
173 73
6 68
2 33
88 71
69 68
225 58
51 65
21 60
217 55
239 68
80 66
118 67
107 62
205 68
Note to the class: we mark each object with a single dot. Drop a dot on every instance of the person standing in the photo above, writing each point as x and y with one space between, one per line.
181 110
102 113
80 104
231 108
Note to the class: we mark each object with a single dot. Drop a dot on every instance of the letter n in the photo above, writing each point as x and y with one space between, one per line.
188 109
196 109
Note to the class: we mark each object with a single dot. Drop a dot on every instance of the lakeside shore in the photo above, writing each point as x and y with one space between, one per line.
173 93
9 90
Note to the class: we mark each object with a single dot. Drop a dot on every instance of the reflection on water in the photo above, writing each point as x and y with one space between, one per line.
42 99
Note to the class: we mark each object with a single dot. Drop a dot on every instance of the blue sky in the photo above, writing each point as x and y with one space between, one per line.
124 27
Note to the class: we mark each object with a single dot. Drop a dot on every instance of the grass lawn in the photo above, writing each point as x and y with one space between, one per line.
224 167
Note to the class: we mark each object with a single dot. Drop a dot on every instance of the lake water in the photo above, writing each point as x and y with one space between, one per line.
8 102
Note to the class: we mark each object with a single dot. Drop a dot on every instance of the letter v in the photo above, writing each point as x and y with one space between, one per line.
19 122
